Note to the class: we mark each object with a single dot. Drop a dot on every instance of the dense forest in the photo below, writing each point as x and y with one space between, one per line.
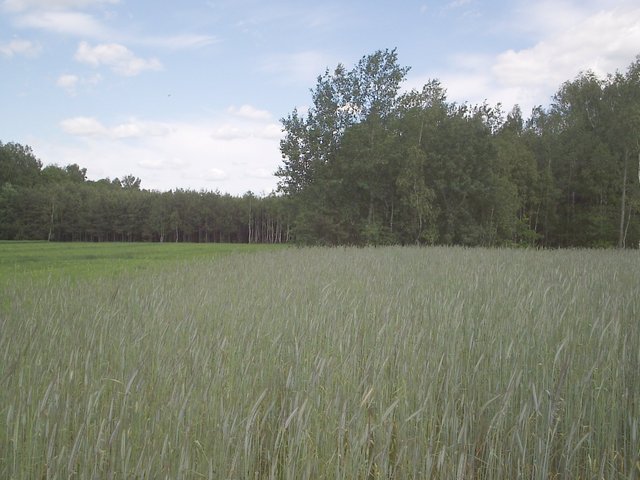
367 164
59 203
370 164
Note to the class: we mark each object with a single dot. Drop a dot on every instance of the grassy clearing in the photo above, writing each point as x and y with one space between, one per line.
329 363
19 260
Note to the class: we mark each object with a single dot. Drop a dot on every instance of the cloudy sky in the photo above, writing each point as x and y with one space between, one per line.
189 94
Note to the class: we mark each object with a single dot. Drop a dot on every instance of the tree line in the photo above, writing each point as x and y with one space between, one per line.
370 164
59 203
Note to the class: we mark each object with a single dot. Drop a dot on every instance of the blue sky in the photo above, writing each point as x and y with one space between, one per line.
189 94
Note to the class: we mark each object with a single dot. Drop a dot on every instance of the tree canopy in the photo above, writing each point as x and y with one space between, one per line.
371 164
59 203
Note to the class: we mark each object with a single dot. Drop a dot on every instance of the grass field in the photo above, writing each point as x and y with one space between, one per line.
81 260
369 363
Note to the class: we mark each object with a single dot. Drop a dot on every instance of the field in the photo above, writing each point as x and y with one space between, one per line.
367 363
82 260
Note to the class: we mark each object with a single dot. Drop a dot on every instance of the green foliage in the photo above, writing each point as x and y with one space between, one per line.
62 205
18 165
369 165
341 154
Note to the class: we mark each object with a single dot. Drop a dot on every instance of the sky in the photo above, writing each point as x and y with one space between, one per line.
190 94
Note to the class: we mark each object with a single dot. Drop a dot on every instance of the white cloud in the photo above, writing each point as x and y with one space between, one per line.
179 42
127 130
136 129
20 47
68 82
89 126
246 122
115 56
63 22
215 174
249 112
71 82
83 126
20 5
272 130
264 173
162 163
168 155
599 40
231 131
67 18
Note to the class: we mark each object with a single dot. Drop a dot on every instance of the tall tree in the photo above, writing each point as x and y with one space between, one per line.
18 165
622 102
517 171
342 138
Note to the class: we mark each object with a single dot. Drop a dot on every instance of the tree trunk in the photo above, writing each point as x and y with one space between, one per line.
250 222
50 236
623 200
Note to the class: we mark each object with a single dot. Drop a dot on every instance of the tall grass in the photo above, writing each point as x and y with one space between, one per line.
329 363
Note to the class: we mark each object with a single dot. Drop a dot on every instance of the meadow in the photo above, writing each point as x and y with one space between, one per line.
311 363
37 260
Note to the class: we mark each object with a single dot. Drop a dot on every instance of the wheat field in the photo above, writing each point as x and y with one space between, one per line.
344 363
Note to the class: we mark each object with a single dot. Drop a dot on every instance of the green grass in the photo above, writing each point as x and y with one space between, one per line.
81 260
328 363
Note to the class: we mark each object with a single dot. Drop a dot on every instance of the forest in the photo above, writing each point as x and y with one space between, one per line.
372 164
59 204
